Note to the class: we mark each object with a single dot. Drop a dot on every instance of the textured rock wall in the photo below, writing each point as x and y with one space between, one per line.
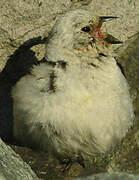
12 166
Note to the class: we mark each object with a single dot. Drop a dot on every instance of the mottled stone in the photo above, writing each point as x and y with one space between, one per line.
106 176
12 166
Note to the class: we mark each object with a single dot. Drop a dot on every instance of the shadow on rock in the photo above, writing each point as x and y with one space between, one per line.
17 66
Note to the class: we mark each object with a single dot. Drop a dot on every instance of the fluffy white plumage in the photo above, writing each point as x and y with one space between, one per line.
77 103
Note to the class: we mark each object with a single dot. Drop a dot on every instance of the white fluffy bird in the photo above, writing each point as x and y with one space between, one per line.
78 102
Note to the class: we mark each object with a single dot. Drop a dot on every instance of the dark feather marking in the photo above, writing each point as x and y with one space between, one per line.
52 86
102 54
94 65
61 64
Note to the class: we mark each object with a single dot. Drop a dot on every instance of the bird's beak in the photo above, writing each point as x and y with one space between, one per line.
107 18
105 37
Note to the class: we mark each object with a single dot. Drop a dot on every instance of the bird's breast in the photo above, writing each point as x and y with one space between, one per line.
94 100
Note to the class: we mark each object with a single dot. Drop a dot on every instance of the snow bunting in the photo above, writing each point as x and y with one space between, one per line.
77 103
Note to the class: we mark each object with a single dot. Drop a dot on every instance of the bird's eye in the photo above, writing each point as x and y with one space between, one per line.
86 29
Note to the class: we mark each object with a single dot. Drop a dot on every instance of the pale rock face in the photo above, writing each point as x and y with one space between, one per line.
78 103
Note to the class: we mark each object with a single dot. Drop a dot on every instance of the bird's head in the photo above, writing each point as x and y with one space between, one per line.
79 31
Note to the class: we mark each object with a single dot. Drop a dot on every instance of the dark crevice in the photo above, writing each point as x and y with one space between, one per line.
120 66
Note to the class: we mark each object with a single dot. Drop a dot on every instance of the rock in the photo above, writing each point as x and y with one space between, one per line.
12 166
137 138
128 57
106 176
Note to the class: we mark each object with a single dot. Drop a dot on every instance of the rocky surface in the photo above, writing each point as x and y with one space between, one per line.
12 166
21 21
106 176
